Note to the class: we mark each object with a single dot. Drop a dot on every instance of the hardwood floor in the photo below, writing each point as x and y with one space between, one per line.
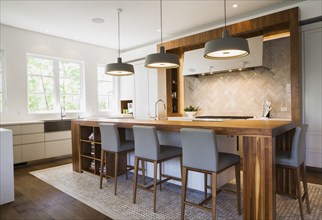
35 199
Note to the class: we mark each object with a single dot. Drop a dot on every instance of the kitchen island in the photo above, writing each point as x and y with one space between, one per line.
260 140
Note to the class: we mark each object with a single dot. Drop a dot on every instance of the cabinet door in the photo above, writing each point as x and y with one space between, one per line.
58 148
34 151
16 129
312 103
17 157
32 138
126 87
59 135
32 128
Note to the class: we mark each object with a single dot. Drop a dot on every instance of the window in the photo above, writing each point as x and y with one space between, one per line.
1 81
106 90
54 83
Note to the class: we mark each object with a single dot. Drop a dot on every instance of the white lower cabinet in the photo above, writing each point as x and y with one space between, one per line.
58 143
30 142
34 151
58 148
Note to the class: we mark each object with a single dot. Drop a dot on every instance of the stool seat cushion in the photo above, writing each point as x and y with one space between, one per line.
226 160
126 146
169 151
284 158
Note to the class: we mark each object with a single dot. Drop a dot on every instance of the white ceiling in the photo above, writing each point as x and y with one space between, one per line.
140 20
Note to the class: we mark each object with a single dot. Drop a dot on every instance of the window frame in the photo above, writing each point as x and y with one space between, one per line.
115 82
56 79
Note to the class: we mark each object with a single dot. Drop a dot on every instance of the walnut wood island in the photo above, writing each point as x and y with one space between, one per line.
260 140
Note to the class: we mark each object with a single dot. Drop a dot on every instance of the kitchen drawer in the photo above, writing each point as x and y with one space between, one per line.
58 148
59 135
16 139
16 129
33 151
32 128
32 138
17 157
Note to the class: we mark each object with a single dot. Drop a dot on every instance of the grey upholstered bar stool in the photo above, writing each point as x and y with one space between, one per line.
111 143
147 148
295 160
200 154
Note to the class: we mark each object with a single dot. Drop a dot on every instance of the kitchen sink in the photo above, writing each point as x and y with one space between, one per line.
57 125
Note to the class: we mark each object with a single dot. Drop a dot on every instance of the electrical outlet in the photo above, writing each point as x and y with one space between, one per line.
284 109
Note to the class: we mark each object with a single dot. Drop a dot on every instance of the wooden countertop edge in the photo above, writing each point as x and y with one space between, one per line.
229 127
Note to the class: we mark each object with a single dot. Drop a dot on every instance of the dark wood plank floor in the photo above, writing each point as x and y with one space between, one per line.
35 199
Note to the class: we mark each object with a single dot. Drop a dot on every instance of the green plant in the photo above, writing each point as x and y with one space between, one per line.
191 109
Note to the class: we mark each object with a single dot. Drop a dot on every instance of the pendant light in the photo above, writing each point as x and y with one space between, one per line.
162 59
119 68
226 47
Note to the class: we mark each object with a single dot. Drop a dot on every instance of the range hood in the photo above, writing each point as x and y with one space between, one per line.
194 62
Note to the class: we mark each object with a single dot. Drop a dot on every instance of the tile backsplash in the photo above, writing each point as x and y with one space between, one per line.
243 93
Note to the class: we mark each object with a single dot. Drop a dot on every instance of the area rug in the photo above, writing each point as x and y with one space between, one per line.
85 188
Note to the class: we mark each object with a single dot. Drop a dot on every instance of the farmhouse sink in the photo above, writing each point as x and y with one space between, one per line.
57 125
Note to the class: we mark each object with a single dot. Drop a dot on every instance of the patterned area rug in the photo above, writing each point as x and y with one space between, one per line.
85 187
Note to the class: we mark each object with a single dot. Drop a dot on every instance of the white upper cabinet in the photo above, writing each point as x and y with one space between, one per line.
312 91
126 87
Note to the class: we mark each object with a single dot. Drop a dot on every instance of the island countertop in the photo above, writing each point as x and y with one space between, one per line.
229 127
260 139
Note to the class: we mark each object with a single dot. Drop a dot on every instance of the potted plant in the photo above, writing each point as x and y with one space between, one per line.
190 111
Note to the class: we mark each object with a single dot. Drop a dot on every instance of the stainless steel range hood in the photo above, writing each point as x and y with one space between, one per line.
194 63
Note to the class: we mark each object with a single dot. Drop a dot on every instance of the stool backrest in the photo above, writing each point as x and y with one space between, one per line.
199 149
110 139
299 145
146 142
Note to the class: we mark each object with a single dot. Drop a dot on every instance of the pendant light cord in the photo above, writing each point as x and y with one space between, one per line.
118 27
161 20
225 12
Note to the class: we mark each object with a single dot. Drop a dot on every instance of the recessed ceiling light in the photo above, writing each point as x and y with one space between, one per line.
235 6
159 30
98 20
46 30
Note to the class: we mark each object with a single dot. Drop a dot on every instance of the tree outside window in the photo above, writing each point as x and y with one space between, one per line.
54 83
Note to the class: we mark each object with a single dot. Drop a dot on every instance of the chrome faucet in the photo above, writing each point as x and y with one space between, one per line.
62 113
157 109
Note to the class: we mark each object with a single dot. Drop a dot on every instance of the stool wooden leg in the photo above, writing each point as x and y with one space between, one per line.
105 155
181 166
298 189
143 172
237 173
136 168
160 174
115 173
126 174
214 192
184 191
155 173
102 163
205 185
306 192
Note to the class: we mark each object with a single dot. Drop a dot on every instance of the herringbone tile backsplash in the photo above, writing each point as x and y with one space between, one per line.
243 93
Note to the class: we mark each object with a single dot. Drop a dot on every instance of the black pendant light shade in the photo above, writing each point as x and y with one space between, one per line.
162 60
119 68
226 47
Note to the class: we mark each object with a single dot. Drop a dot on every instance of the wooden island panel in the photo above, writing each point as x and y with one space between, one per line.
260 140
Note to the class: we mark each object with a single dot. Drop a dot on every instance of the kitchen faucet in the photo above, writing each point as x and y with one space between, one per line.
62 112
157 109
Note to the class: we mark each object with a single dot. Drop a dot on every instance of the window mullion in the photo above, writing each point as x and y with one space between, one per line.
56 86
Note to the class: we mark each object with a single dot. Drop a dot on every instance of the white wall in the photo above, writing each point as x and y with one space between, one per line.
17 42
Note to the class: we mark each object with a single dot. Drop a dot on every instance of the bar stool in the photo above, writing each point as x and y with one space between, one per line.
295 160
200 154
111 143
147 148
